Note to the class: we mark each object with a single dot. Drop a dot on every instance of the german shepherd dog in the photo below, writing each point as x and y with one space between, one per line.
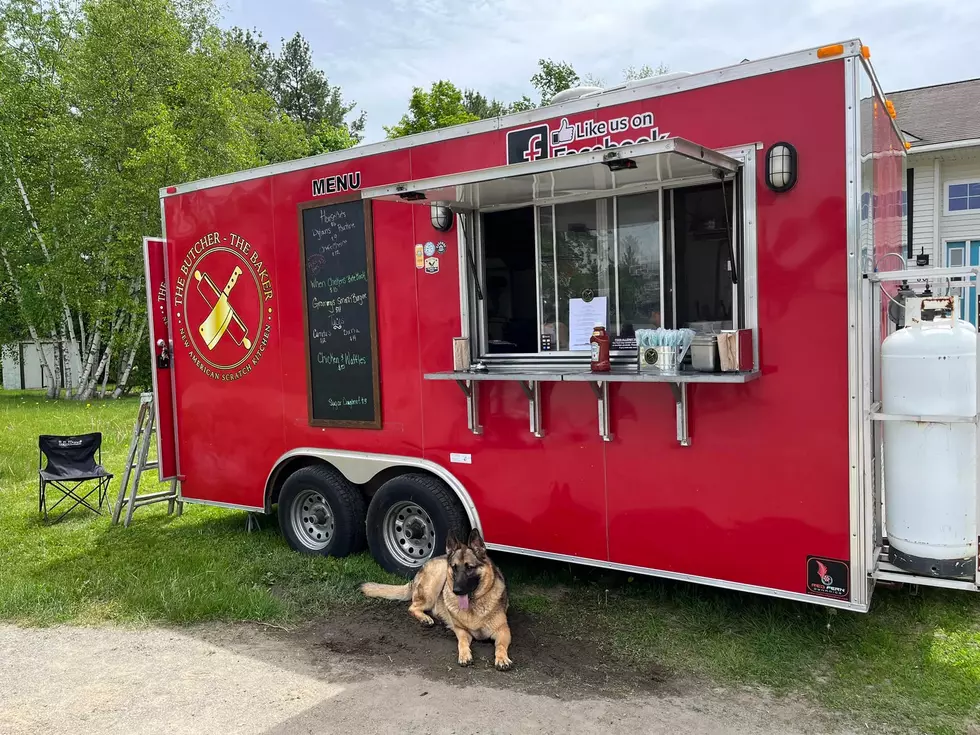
463 589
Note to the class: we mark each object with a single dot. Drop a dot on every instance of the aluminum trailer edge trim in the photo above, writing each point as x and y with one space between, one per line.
860 582
153 343
361 467
651 89
218 504
709 581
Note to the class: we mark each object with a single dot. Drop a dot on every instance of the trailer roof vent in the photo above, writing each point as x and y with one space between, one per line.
575 93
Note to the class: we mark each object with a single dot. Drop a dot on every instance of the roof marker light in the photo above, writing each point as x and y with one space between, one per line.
826 52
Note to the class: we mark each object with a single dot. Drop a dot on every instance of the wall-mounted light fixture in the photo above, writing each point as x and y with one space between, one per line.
781 167
441 217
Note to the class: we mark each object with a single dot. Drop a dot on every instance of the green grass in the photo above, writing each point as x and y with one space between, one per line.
913 662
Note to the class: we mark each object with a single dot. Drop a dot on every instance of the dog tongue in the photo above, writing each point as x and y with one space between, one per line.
464 602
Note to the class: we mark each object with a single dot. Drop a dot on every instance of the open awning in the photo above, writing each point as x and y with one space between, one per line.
611 170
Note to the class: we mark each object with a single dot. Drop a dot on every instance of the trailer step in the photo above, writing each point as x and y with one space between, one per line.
137 462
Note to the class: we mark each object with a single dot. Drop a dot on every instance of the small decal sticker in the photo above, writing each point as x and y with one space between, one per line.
419 257
461 458
828 577
440 247
430 249
432 265
546 343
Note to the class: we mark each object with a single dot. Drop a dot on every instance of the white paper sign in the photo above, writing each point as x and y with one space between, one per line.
582 317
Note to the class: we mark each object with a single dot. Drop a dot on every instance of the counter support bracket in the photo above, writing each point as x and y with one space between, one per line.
601 390
680 398
532 389
470 390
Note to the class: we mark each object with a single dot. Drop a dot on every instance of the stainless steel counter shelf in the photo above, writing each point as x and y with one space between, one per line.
530 381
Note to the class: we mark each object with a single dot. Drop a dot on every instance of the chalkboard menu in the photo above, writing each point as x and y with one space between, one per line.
341 335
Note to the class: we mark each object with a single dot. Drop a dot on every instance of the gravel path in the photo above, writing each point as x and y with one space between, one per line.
249 679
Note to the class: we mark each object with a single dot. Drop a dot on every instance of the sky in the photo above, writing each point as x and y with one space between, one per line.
378 50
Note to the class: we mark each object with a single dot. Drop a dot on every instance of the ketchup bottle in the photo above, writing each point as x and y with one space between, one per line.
599 343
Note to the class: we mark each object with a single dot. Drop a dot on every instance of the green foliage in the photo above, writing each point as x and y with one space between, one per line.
301 92
104 102
445 104
442 106
553 77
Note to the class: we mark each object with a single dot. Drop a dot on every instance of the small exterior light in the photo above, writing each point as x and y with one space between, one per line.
441 217
781 167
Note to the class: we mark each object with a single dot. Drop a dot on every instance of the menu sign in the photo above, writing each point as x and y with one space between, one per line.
341 333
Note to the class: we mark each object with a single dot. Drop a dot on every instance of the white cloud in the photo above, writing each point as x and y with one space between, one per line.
377 51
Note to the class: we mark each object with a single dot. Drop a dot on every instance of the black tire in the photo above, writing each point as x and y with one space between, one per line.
342 512
438 502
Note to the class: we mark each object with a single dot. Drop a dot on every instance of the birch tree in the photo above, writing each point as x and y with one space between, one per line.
102 103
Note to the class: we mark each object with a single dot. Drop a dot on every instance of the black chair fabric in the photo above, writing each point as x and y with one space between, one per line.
71 462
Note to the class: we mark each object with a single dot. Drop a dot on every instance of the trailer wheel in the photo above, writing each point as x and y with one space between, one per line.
320 512
408 521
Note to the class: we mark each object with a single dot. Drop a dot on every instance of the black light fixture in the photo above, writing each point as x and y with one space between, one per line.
620 164
441 217
412 196
781 167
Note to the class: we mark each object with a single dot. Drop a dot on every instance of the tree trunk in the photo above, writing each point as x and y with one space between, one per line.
40 239
123 384
105 373
66 362
81 334
93 350
54 390
45 367
87 390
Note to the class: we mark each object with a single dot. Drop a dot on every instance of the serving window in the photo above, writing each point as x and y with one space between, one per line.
635 238
661 257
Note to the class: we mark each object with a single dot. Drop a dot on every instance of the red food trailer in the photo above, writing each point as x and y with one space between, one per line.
391 342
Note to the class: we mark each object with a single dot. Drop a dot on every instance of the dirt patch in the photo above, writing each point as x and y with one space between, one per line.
546 660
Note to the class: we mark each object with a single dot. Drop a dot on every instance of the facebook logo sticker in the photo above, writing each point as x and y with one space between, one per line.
528 144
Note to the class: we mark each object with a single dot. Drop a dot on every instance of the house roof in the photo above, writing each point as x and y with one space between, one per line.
943 113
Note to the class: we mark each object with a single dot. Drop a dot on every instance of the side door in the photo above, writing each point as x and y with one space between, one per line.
161 351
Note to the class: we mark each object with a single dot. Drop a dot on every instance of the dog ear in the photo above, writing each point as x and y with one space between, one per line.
452 544
476 543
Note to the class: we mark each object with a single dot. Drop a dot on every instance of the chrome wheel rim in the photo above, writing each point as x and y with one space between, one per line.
312 520
409 533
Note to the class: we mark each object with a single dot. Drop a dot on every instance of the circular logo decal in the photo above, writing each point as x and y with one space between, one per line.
223 305
430 249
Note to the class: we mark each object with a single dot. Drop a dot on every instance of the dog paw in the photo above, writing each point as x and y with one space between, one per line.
503 663
465 660
426 621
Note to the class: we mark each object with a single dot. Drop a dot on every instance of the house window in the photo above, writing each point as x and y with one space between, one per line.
963 196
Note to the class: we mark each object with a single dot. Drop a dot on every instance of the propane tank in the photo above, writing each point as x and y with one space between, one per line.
930 369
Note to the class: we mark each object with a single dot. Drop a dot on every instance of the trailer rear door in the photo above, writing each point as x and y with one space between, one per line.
161 347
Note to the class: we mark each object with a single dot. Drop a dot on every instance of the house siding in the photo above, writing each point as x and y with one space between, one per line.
958 165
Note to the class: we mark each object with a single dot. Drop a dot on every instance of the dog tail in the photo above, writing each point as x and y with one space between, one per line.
399 592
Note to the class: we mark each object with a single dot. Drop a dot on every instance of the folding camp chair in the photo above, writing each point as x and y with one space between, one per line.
73 461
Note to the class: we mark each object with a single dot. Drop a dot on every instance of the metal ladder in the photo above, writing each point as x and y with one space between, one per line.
139 450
